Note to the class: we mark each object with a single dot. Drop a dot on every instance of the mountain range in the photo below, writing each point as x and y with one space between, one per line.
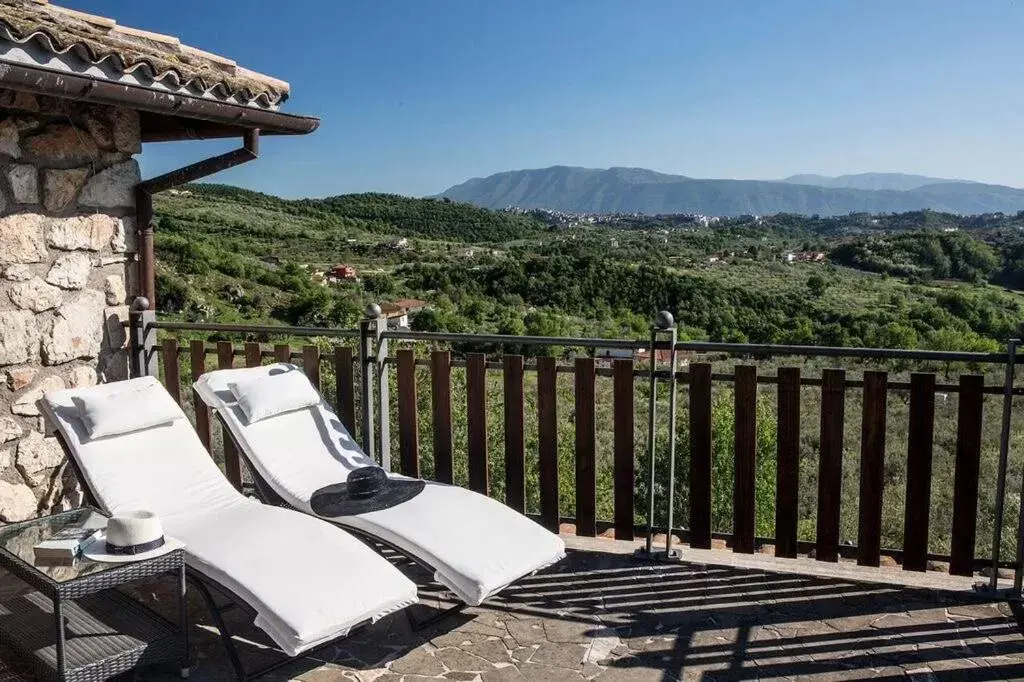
638 190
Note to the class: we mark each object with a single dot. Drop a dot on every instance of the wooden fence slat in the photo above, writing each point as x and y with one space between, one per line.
253 354
515 438
872 467
408 429
172 368
282 352
830 463
586 448
197 355
441 403
311 365
476 421
624 411
919 471
547 441
744 490
225 355
700 455
965 478
232 464
345 387
787 484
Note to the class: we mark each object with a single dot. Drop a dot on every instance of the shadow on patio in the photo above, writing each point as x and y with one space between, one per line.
602 615
691 621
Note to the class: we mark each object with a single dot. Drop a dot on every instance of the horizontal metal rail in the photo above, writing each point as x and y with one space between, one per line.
240 353
504 339
707 347
255 329
840 352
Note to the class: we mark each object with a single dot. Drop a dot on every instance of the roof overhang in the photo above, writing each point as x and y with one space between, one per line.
165 116
180 91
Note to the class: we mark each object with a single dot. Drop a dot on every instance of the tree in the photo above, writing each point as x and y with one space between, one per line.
948 339
817 285
381 284
898 335
311 309
510 322
427 321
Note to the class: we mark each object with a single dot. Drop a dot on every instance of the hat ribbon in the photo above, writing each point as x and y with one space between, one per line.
140 548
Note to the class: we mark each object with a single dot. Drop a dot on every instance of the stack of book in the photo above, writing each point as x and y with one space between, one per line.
66 545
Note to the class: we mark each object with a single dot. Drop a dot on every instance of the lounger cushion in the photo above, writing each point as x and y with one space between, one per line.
307 585
308 581
268 395
476 545
126 408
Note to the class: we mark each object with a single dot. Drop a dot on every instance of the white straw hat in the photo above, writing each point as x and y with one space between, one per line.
132 536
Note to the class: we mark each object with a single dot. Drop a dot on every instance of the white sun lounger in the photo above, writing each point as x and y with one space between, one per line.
308 582
476 546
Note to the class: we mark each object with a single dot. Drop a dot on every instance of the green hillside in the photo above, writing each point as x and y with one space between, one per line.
226 254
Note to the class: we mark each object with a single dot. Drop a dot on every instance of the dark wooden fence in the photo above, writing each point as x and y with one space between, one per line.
697 380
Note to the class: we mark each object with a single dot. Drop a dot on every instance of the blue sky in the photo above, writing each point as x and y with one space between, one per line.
417 95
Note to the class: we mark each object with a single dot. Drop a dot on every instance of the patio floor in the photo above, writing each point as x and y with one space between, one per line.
601 615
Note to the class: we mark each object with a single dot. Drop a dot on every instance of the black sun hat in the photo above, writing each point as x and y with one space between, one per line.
367 489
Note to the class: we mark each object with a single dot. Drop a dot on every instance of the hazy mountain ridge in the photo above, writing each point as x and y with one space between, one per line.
900 182
628 190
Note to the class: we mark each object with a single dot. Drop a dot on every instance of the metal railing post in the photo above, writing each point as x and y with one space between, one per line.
664 322
367 358
383 395
1004 456
142 355
652 406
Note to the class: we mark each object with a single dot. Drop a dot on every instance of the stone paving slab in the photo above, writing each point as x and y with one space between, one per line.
601 615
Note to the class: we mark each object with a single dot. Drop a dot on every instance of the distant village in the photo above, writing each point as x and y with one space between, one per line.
789 257
571 219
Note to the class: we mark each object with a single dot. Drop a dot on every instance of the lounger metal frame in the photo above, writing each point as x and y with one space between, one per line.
203 583
266 494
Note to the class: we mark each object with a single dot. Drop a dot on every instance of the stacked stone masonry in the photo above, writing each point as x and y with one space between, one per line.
67 232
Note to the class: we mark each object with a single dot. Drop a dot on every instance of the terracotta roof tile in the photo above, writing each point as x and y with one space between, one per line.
162 57
149 35
203 54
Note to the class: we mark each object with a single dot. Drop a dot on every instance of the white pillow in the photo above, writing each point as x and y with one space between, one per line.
133 409
269 395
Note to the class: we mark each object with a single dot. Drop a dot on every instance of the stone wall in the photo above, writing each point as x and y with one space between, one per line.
67 236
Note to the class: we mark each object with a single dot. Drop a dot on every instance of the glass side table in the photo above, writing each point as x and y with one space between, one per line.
76 625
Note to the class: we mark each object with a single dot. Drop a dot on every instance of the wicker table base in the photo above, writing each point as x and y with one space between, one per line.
107 633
